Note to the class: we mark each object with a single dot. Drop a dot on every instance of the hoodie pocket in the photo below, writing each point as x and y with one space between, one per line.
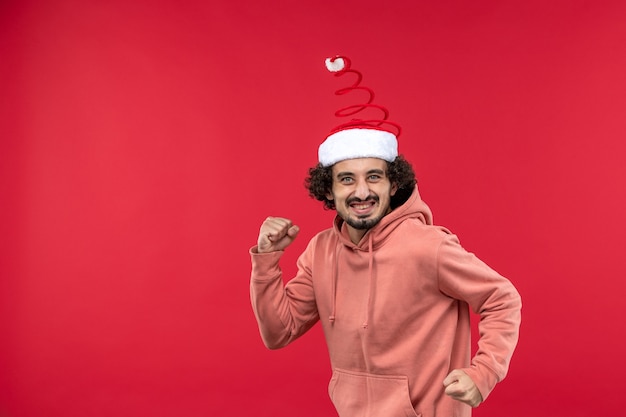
359 394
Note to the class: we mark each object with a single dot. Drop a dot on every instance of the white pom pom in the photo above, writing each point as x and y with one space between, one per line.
335 66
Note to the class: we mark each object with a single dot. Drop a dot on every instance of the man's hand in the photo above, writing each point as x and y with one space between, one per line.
276 234
461 387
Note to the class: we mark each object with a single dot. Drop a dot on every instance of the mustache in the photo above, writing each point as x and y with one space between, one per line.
357 200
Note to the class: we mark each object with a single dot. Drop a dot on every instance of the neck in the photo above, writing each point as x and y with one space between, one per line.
356 234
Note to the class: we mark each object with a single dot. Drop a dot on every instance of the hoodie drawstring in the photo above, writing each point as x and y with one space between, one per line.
333 284
370 290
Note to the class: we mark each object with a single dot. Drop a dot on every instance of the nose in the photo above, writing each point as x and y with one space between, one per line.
362 190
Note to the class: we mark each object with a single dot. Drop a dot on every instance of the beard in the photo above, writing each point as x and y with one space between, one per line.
362 223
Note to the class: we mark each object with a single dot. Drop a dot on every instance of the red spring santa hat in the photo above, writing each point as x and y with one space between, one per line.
358 138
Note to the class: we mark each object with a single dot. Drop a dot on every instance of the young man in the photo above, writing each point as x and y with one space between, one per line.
392 290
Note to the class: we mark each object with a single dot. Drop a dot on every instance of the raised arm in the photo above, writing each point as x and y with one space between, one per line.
283 313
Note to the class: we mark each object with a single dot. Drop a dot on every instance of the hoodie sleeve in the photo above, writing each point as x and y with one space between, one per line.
465 277
283 312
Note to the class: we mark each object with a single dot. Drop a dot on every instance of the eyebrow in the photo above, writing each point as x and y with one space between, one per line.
371 171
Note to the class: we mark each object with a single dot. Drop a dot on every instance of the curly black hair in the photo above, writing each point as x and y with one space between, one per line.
400 172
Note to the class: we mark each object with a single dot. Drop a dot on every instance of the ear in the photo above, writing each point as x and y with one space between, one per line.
329 196
394 189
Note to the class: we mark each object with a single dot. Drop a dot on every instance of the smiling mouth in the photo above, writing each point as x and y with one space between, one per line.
363 208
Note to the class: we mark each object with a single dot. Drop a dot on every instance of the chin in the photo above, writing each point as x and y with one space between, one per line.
363 224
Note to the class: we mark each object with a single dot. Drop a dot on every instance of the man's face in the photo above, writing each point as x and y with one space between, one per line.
361 192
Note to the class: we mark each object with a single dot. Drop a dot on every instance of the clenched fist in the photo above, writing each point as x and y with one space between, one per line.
461 387
276 234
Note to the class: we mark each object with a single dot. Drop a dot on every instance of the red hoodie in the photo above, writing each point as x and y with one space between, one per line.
394 309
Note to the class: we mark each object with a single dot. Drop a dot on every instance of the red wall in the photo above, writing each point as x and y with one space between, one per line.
142 144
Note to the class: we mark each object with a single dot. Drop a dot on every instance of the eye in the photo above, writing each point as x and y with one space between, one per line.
374 177
346 180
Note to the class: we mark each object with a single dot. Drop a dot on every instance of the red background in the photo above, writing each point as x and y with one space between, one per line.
142 144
